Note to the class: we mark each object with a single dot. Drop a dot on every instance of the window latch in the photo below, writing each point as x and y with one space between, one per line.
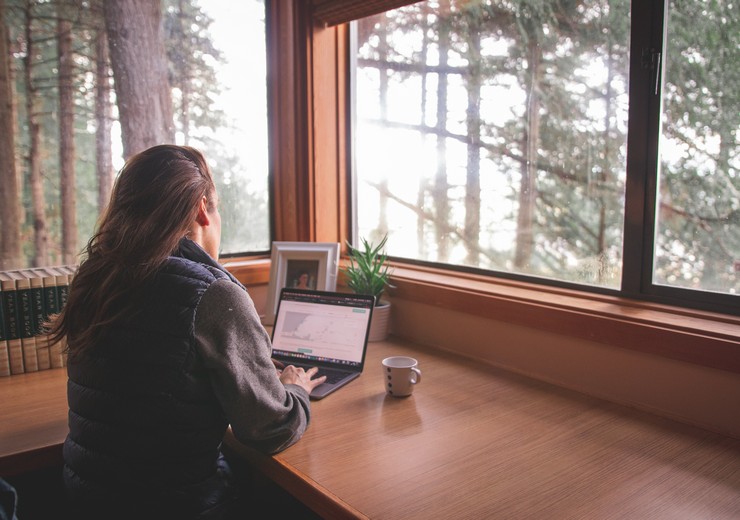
651 61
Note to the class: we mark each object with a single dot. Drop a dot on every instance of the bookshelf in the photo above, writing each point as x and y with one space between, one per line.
27 298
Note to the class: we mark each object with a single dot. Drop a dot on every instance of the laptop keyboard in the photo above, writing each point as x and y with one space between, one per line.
332 376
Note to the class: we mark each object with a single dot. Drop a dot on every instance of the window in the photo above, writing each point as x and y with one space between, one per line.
698 215
215 56
493 136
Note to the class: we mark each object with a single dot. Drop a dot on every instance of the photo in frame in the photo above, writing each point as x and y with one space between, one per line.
303 265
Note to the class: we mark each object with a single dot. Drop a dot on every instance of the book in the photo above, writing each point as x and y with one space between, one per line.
12 326
28 297
63 276
36 276
52 307
26 322
4 356
71 271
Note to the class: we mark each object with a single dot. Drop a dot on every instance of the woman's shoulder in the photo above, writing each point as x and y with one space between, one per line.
183 268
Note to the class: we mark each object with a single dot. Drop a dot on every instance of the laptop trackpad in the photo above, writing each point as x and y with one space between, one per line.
338 380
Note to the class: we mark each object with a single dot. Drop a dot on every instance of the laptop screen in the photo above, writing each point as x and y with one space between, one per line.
322 327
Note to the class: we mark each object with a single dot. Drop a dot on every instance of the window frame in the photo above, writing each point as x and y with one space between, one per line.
303 53
648 35
644 134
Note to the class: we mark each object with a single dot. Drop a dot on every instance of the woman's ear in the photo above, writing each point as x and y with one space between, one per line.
202 217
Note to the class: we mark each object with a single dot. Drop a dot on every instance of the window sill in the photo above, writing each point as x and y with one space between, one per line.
249 270
698 337
702 338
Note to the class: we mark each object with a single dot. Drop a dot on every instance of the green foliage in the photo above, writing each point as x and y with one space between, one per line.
562 70
699 212
368 272
194 62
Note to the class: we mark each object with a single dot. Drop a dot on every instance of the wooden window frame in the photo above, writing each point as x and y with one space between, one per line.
311 201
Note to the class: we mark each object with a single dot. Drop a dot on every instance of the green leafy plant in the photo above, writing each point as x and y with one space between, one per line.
368 272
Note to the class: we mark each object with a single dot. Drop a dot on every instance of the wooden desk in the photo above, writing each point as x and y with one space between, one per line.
33 420
472 442
475 442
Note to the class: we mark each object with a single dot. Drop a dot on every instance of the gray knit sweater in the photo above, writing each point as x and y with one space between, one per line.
236 348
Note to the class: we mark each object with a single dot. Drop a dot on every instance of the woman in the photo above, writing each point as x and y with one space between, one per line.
302 282
165 350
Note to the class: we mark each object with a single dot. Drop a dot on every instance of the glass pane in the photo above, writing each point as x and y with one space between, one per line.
236 143
492 134
698 222
216 57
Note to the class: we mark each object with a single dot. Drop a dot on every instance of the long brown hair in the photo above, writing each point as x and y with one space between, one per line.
152 206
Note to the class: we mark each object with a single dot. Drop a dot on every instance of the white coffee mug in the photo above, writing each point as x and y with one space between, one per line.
400 374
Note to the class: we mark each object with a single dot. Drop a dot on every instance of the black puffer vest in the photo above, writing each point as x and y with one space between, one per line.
145 425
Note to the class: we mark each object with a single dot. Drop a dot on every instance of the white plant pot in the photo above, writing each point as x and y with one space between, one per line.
380 322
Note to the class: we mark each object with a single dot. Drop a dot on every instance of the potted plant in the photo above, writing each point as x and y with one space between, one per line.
369 273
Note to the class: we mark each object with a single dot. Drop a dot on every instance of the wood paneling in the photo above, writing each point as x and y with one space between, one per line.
703 338
289 126
333 12
307 75
329 99
253 271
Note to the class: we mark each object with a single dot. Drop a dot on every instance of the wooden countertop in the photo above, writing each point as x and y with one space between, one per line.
476 442
472 442
33 420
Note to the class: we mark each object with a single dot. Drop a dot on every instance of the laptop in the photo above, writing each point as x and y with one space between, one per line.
323 329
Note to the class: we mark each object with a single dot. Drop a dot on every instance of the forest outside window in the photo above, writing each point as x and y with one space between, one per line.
68 140
504 128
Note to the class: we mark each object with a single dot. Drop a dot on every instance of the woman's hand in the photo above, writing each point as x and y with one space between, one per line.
291 375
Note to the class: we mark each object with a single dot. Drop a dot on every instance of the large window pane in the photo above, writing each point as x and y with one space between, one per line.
492 134
237 147
68 135
698 222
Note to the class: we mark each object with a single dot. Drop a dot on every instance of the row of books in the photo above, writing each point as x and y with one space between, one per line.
27 298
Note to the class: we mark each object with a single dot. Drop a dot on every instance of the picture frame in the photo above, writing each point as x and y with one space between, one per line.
308 265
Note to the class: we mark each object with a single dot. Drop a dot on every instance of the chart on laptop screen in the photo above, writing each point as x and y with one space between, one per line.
327 331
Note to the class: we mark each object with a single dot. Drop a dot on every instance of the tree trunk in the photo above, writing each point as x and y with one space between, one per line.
472 182
139 63
184 82
604 171
382 228
67 180
104 119
35 175
423 185
441 186
10 205
528 187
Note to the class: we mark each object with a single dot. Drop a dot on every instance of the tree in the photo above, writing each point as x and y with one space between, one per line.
699 212
138 60
472 34
67 177
441 185
103 119
564 188
10 208
33 104
64 96
192 76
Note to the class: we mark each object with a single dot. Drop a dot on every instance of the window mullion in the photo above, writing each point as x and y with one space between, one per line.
642 147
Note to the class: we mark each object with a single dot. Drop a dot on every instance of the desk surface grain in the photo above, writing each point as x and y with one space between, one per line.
33 420
476 442
472 442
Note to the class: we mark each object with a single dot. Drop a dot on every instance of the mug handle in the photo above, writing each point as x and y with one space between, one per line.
415 375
